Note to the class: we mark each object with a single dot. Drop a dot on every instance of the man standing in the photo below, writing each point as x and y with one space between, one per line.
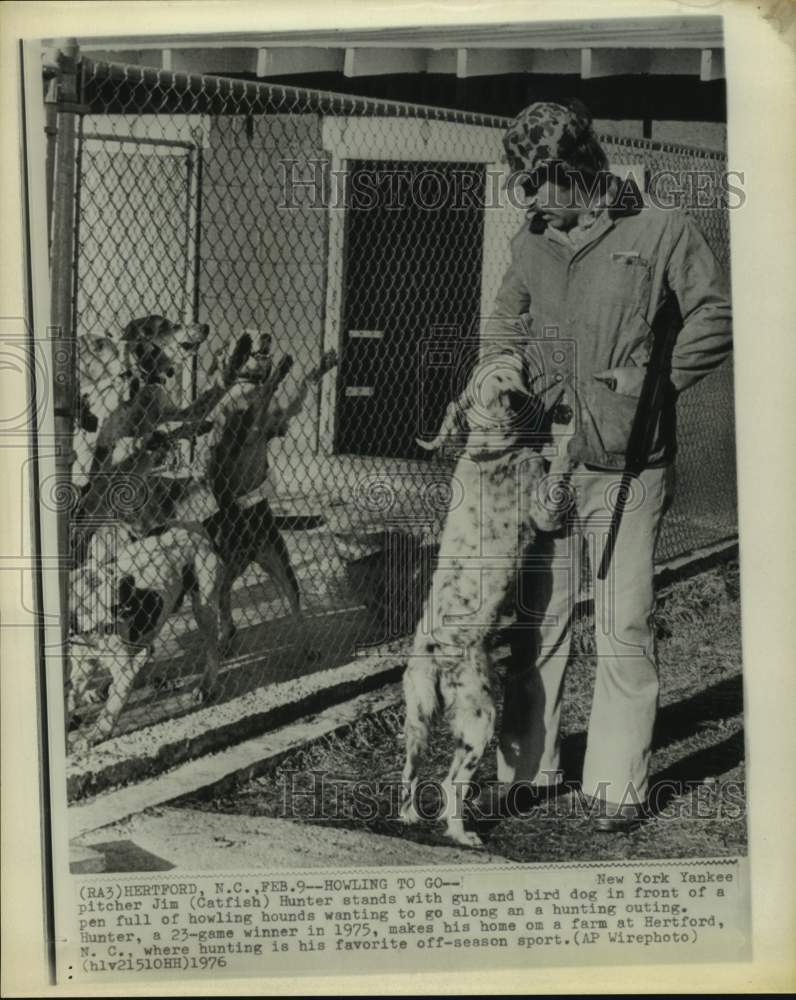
594 265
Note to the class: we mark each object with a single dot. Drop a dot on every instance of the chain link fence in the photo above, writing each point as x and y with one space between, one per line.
270 286
705 509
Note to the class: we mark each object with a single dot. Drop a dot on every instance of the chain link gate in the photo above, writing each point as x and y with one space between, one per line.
273 353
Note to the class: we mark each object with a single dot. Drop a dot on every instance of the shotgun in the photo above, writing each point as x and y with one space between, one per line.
654 390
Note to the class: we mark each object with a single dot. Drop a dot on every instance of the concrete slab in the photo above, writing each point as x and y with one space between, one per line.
244 759
194 841
135 756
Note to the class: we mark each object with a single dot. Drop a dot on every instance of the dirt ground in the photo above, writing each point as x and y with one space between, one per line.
698 763
309 810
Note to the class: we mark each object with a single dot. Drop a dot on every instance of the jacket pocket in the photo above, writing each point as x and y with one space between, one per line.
614 413
606 421
624 287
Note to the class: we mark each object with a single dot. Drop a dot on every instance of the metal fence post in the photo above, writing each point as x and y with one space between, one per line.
64 353
196 297
51 131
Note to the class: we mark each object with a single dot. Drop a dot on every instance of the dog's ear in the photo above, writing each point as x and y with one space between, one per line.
284 366
242 350
100 343
86 420
561 413
133 330
126 590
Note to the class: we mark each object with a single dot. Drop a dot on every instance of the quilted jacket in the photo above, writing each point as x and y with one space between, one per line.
601 296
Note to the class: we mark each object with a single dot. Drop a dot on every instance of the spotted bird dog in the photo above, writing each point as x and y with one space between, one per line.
502 494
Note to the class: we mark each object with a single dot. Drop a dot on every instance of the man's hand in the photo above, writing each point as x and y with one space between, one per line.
625 381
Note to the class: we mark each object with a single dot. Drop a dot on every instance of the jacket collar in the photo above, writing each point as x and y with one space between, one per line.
583 235
626 200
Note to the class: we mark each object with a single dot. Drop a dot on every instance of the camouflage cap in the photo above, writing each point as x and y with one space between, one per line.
544 134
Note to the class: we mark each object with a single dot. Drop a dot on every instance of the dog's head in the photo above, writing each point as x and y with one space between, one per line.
245 361
102 379
100 360
94 597
154 347
508 400
95 588
520 398
155 329
259 365
500 388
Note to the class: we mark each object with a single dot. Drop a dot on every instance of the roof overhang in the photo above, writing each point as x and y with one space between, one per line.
690 45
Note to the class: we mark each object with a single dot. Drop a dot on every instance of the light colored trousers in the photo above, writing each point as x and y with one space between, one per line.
616 766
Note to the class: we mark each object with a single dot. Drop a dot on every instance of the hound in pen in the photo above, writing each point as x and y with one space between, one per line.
121 600
233 461
243 415
502 494
141 367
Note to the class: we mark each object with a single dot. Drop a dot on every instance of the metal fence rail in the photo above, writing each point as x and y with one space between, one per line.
260 228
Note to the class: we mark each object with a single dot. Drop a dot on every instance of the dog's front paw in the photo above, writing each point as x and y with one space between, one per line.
84 739
164 684
409 815
226 639
284 366
91 696
78 743
328 361
208 692
466 838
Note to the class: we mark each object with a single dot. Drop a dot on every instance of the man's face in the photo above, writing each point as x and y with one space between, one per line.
559 206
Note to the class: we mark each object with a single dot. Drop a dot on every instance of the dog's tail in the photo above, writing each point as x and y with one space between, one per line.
451 432
434 444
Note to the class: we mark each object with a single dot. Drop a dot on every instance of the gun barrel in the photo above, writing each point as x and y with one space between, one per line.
665 327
